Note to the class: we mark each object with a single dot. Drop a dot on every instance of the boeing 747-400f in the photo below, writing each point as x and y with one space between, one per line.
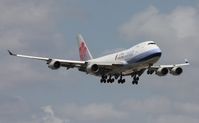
130 62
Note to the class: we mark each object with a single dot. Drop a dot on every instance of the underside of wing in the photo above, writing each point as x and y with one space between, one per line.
100 68
162 70
57 63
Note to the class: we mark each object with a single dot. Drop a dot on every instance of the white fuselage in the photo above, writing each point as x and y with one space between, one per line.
135 58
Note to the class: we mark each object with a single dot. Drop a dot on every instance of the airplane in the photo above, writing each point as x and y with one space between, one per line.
130 62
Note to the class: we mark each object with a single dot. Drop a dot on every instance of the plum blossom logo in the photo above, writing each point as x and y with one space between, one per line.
82 50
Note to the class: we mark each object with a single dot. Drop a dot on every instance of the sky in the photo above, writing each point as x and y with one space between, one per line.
32 93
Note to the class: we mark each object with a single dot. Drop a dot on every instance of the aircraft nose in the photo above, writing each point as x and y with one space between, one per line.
158 51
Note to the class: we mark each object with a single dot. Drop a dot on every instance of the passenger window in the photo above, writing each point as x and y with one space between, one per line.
151 43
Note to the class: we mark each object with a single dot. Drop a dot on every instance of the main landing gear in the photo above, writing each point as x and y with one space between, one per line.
103 79
112 78
135 79
109 79
121 81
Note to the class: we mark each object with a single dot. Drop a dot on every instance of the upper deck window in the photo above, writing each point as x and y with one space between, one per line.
151 43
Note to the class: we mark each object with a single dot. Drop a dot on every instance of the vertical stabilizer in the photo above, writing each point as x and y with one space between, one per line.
84 52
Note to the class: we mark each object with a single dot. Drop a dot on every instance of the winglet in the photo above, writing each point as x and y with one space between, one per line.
12 54
186 61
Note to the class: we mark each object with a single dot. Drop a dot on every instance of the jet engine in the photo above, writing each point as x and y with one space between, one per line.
162 71
54 65
92 68
176 71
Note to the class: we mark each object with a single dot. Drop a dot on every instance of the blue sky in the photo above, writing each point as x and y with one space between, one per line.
32 93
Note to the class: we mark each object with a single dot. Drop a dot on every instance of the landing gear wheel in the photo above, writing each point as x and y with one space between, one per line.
116 76
135 80
119 81
123 81
149 72
112 80
103 80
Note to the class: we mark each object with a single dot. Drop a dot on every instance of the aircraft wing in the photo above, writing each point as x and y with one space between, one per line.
171 66
162 70
62 62
81 65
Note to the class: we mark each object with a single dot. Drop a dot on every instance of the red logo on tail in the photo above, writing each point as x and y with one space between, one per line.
82 51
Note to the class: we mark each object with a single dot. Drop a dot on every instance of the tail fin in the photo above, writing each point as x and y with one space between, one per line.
84 52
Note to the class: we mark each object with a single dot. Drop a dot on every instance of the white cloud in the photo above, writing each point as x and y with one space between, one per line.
24 12
178 28
92 112
188 108
151 105
76 113
176 119
27 26
19 17
12 105
27 23
162 110
13 109
20 22
176 32
50 116
17 73
153 109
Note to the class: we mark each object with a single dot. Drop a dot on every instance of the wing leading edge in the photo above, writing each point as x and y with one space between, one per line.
171 66
81 65
51 61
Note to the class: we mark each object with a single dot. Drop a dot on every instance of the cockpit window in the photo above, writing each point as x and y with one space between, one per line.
151 43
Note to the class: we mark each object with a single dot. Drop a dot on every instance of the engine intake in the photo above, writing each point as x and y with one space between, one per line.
162 71
92 68
54 65
176 71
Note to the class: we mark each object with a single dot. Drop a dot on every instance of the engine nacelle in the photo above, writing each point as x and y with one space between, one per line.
162 71
92 68
54 65
176 71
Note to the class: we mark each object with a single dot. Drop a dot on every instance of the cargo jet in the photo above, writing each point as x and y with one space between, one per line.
130 62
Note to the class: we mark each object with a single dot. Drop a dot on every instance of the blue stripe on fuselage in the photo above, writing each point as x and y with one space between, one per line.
145 56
